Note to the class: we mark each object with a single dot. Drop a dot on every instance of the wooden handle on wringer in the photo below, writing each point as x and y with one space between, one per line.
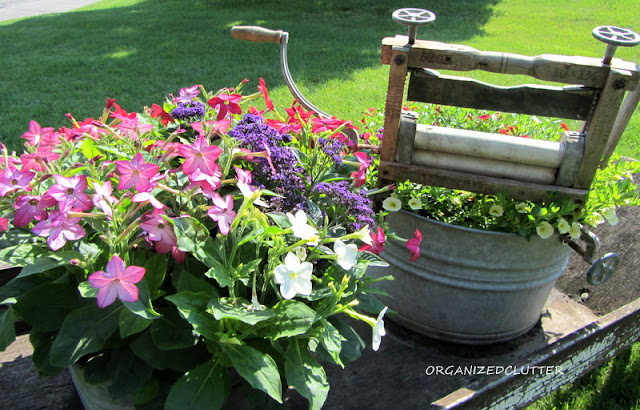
256 34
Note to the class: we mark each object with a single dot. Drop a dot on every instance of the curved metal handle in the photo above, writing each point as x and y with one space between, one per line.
603 269
257 34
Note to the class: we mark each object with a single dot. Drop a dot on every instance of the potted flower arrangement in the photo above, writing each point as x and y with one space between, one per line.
488 262
165 251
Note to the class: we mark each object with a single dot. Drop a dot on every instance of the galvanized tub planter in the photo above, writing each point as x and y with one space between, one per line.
469 286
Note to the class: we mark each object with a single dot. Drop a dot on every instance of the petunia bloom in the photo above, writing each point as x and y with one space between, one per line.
544 230
136 173
610 215
294 277
496 210
360 175
392 204
563 226
415 204
413 245
222 212
118 281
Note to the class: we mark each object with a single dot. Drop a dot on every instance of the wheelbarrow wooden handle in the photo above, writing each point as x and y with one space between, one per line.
257 34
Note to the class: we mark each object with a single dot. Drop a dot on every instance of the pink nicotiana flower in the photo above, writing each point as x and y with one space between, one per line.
132 127
377 245
200 155
37 160
118 281
103 198
187 94
207 183
37 134
222 212
13 179
30 207
207 128
4 224
136 173
413 245
226 103
360 175
160 231
71 191
59 229
148 197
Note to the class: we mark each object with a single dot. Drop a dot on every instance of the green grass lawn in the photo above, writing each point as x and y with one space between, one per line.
138 51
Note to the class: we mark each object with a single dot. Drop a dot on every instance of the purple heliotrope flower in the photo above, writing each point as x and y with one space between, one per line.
59 229
136 173
356 205
192 111
118 281
71 191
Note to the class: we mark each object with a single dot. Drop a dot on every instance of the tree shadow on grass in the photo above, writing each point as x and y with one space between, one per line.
70 62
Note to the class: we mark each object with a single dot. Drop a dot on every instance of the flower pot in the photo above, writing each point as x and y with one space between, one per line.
468 286
95 396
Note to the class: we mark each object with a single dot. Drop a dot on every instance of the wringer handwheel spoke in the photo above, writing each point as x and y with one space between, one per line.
603 268
413 18
614 37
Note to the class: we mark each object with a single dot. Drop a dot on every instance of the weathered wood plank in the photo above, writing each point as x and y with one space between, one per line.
569 102
587 71
475 183
559 363
599 126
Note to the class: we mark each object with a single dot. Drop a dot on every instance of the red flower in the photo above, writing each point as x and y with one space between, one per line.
413 245
564 126
377 246
265 94
360 175
226 103
484 117
157 111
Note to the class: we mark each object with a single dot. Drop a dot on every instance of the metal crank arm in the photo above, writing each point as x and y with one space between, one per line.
602 268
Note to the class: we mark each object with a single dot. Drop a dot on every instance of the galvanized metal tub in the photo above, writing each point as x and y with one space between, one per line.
468 286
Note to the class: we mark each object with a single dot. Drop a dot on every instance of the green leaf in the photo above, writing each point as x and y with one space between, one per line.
131 323
180 360
172 332
192 307
244 270
46 306
84 331
305 374
190 233
17 287
41 342
155 266
128 373
224 309
331 341
186 282
205 387
291 318
48 262
86 290
21 255
371 258
142 307
259 369
280 219
352 345
7 328
88 148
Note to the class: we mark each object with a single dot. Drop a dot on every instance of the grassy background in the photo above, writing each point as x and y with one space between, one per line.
138 51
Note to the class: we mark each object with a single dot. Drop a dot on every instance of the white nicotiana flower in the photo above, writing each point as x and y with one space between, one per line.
610 215
522 207
294 277
378 330
301 228
574 232
346 254
415 204
496 210
300 252
364 235
544 230
392 204
563 226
